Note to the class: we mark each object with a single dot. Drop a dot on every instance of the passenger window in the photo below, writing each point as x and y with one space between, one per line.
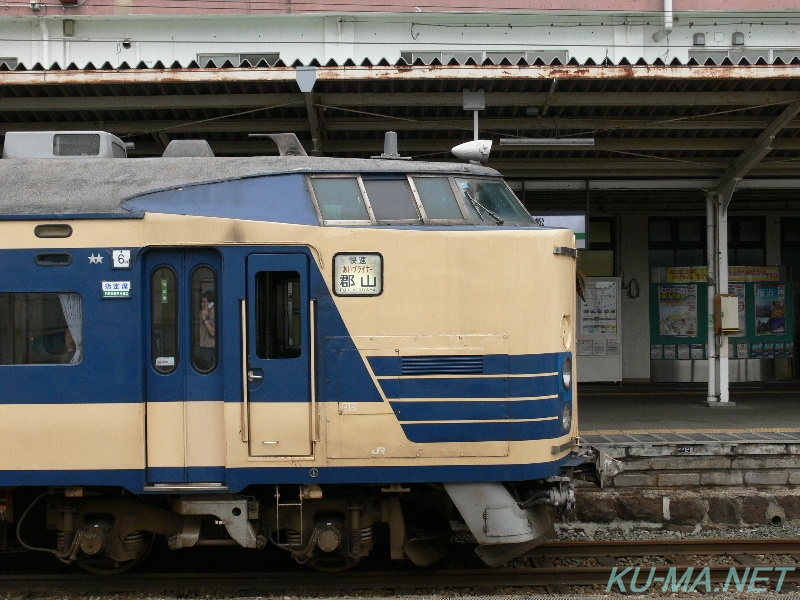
339 199
437 198
204 319
278 316
165 320
44 328
391 200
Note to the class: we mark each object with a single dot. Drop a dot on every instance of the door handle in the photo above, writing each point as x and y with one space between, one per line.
253 377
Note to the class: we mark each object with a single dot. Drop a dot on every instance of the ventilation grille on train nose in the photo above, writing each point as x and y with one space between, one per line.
441 365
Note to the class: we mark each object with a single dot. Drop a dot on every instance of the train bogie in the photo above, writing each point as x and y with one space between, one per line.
287 351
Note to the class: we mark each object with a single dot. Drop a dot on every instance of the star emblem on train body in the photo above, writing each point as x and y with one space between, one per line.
95 260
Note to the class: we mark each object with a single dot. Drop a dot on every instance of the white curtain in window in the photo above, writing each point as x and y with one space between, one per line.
71 306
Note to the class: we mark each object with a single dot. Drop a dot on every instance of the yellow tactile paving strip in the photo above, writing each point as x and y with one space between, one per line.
657 431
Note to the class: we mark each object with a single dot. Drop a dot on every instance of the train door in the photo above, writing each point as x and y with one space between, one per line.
184 373
279 361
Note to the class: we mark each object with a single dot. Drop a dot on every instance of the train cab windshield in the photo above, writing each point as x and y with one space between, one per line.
402 199
489 201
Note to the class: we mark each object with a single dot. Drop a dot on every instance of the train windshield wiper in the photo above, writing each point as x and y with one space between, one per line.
478 206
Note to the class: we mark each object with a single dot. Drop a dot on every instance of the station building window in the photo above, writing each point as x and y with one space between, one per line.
790 245
681 241
747 241
41 328
597 260
677 241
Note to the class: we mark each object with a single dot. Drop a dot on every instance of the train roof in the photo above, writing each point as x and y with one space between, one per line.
83 187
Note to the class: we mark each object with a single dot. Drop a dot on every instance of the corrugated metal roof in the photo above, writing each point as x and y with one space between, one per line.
675 121
707 58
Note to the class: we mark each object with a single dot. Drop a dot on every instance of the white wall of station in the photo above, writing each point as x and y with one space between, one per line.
56 35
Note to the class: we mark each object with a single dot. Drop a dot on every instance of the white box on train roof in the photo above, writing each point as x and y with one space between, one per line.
63 144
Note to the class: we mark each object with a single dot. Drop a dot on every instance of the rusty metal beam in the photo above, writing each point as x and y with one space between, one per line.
763 145
406 73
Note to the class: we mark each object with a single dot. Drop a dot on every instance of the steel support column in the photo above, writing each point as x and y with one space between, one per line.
711 253
719 390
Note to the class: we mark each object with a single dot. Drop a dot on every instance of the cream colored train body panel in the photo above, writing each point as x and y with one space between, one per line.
440 297
72 437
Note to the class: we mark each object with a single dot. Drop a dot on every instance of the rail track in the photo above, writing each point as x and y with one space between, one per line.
622 566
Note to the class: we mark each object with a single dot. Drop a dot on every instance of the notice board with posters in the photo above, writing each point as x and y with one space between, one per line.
679 315
599 351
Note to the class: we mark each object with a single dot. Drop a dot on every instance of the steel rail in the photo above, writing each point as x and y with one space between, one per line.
676 574
666 547
395 581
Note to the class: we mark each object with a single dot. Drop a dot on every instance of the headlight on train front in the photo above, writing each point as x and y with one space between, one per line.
566 418
566 372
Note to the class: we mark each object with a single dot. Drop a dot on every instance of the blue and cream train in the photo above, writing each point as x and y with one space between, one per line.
289 350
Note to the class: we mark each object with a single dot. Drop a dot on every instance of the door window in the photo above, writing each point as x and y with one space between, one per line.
278 315
204 319
165 320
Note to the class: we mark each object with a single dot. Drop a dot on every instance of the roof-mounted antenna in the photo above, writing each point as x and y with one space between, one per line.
288 144
390 151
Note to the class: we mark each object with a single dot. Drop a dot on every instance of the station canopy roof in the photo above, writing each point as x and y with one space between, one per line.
641 133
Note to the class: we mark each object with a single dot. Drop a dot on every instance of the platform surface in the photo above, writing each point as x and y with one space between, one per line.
676 413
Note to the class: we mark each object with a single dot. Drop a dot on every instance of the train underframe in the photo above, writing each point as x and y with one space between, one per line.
328 528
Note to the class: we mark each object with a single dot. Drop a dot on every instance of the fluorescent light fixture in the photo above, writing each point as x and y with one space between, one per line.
545 142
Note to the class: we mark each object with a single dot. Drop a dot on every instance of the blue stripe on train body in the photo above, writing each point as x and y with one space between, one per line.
111 372
238 479
475 398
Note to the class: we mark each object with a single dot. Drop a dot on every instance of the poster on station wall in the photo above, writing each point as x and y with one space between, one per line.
738 290
770 309
677 311
599 330
599 311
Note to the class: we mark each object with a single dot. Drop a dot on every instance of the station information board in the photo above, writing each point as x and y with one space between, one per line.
679 314
600 331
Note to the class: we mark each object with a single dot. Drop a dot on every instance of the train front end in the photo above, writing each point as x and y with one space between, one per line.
466 332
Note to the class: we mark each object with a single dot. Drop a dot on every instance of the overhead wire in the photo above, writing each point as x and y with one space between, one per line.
569 21
704 115
428 124
210 119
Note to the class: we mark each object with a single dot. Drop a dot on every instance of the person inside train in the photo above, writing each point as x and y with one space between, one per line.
206 351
